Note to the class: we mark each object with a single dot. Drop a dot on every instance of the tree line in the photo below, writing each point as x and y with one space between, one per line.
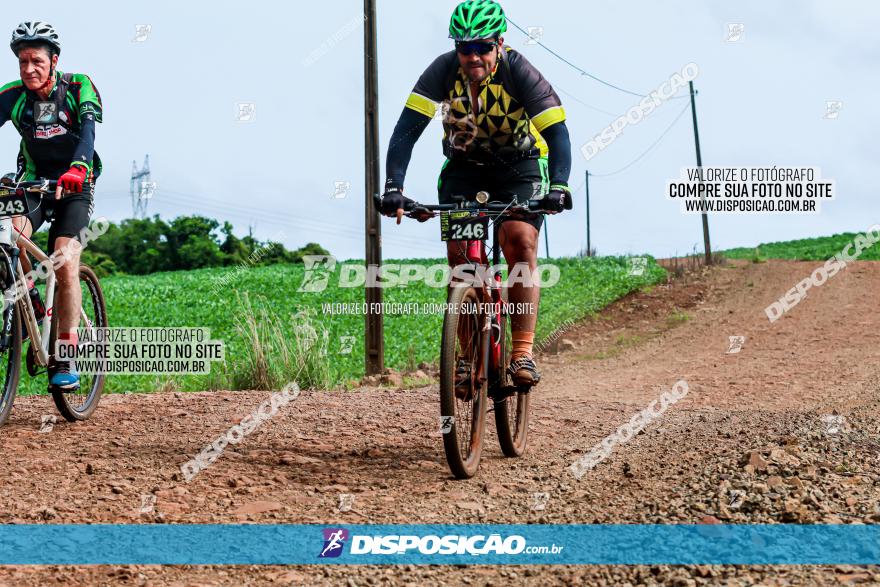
140 246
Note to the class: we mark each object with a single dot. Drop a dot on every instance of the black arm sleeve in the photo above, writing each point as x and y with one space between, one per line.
410 127
85 149
559 158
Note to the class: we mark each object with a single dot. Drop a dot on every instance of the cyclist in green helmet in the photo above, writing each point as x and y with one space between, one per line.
503 132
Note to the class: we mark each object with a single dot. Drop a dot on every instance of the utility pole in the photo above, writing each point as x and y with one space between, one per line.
374 329
587 186
706 245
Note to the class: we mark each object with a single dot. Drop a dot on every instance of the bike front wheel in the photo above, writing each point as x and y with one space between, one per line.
463 413
10 363
81 404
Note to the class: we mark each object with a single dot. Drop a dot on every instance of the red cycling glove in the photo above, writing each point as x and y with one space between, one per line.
72 181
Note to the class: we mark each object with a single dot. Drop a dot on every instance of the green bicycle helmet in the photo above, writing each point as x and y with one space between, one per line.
477 19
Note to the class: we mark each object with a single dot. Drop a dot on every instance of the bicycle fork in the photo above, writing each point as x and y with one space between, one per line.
10 262
497 299
491 350
8 302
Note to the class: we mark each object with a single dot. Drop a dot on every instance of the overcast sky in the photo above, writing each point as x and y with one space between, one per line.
762 101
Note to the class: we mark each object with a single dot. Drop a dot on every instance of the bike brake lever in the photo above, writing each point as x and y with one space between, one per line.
43 187
418 211
520 209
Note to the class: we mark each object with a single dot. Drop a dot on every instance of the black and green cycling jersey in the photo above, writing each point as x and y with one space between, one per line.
517 115
58 132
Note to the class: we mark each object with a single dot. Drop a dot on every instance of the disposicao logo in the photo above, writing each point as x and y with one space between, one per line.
442 545
334 541
404 544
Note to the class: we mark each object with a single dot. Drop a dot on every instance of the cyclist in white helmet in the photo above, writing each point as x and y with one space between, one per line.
55 113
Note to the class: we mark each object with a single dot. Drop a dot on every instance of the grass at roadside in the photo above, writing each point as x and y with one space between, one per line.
807 249
269 327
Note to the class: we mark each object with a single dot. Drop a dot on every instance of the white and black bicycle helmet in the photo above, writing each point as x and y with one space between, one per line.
35 31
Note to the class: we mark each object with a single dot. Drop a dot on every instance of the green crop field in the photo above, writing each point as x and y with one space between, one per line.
808 249
190 298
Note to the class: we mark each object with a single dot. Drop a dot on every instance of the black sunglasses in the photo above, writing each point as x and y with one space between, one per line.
471 47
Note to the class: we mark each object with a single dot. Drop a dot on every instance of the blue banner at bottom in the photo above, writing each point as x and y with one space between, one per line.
251 544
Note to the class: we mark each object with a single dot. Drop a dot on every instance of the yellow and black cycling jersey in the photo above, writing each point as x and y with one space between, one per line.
515 103
514 115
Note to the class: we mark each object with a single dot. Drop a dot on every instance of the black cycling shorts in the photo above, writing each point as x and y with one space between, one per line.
521 181
68 216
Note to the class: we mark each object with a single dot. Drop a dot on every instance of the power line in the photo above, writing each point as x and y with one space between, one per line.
185 200
579 101
582 71
422 246
643 154
646 151
266 216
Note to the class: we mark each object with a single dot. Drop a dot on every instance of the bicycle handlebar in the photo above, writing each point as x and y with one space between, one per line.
46 186
41 184
411 207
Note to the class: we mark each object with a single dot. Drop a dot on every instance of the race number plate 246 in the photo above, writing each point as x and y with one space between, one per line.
12 203
464 225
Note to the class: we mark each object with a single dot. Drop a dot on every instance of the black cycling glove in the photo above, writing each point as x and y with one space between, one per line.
393 200
558 199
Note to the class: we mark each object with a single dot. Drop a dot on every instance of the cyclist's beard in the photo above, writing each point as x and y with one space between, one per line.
477 80
485 68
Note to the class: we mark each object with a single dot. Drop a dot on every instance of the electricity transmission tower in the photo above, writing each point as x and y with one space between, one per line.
142 188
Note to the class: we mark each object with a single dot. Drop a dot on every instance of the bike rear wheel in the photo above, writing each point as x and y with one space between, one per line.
512 411
80 404
463 419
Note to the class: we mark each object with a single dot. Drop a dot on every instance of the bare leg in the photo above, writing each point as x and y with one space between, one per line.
69 298
519 242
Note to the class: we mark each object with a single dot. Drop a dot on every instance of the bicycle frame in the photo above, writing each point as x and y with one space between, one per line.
475 252
11 239
26 308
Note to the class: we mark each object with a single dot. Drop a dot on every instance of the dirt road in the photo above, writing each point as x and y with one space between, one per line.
785 430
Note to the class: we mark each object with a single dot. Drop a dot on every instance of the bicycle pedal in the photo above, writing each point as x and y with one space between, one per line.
501 394
53 388
466 397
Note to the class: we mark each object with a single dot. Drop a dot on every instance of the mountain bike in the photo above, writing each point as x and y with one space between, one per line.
476 337
17 309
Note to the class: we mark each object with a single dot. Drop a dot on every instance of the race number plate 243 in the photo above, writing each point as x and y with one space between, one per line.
12 203
463 225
